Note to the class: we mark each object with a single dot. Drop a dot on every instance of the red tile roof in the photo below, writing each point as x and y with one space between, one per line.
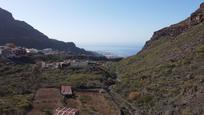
66 90
66 111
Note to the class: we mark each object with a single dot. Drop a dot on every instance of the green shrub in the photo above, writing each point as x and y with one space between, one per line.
200 49
145 99
84 99
47 111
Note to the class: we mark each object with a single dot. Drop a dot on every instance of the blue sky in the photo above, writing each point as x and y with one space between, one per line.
108 22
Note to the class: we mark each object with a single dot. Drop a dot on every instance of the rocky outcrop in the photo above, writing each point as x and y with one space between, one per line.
174 30
198 16
22 34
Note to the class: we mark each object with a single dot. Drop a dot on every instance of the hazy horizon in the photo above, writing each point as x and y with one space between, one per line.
100 22
121 50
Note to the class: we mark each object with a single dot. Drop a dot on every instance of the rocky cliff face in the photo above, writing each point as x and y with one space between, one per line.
174 30
167 76
22 34
197 17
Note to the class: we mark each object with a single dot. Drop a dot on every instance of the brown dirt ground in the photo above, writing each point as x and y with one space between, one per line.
89 103
92 103
45 101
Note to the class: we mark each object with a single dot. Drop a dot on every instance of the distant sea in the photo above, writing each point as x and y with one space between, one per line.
114 50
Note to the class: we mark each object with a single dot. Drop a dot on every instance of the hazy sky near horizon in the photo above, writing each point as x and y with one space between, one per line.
100 21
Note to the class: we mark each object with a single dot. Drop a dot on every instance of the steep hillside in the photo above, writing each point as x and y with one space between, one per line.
167 76
22 34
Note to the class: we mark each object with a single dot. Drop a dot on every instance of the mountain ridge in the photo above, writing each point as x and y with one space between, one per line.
23 34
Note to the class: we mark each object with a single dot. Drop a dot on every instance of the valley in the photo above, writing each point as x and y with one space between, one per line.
43 76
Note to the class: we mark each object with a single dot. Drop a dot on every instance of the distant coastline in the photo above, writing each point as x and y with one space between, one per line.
114 50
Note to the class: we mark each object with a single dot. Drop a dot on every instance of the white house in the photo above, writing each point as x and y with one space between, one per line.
31 50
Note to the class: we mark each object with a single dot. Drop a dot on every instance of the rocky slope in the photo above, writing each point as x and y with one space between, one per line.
22 34
167 76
